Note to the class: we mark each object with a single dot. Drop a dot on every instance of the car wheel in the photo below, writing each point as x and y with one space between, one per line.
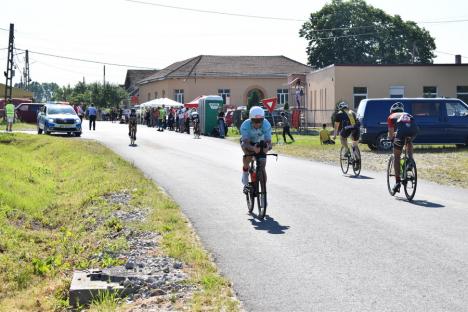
77 134
379 145
39 130
46 131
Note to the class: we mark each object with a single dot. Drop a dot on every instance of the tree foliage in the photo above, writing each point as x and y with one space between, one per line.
352 32
101 96
253 100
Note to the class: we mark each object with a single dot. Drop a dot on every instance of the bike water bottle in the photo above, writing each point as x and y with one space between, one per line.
402 165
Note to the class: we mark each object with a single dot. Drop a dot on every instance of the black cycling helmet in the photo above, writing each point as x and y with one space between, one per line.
397 107
342 105
132 111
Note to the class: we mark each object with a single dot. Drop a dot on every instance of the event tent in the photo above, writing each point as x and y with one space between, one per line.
160 102
193 103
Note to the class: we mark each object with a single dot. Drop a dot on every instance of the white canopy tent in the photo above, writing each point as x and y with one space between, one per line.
160 102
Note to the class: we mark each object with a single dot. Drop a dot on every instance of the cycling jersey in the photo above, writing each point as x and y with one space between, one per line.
132 120
346 119
249 133
404 125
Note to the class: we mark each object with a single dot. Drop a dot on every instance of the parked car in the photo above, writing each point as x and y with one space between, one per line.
440 120
27 112
58 118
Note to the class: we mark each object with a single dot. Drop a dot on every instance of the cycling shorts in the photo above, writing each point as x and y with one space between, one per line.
352 131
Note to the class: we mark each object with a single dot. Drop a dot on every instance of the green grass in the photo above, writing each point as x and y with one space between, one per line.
53 219
19 126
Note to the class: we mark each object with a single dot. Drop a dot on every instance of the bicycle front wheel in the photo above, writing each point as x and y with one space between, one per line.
411 179
344 161
261 195
249 191
390 175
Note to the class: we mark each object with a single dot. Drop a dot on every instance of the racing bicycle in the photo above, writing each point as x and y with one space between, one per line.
352 159
408 171
256 188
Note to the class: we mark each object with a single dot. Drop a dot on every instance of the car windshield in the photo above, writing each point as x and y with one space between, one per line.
61 110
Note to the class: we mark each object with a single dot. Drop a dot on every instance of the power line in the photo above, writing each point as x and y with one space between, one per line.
453 54
216 12
85 60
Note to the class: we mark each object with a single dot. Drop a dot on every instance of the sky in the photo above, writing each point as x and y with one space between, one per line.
129 32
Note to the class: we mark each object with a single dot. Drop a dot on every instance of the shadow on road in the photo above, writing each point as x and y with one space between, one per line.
422 203
269 224
359 177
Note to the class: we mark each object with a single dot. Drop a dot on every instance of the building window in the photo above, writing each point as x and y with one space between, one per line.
282 96
397 92
359 93
462 93
149 96
224 93
179 95
156 94
430 92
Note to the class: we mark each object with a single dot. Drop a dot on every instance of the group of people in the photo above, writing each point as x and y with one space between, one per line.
170 118
402 130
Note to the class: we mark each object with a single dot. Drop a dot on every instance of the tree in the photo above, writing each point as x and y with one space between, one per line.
352 32
253 100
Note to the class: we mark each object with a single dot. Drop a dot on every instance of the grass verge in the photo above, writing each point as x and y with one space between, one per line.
441 164
53 218
19 126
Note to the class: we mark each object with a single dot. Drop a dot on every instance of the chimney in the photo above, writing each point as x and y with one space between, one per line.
458 59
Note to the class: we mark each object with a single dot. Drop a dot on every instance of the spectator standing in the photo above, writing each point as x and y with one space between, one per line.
162 118
91 112
325 136
10 115
286 127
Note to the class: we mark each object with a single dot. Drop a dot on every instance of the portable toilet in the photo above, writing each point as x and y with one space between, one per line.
209 107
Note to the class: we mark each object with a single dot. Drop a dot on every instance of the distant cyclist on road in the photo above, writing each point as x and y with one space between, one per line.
346 124
132 123
254 130
401 126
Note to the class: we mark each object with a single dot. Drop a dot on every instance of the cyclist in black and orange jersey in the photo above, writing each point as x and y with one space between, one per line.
346 124
132 122
402 129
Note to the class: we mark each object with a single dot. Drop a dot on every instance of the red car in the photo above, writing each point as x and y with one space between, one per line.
27 112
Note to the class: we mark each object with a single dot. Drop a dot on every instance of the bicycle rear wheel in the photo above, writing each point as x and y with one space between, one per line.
357 162
344 160
390 175
411 180
261 195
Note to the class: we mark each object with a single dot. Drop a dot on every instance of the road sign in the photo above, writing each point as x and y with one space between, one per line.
270 104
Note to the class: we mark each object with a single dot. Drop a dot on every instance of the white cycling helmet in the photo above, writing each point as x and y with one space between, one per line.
256 112
397 107
342 105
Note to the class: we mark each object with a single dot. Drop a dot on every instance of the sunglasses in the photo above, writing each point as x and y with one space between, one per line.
257 120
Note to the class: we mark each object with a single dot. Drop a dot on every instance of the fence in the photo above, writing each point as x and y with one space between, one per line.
303 119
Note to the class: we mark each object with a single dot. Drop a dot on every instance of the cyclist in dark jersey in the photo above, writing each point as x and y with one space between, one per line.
132 122
401 126
346 124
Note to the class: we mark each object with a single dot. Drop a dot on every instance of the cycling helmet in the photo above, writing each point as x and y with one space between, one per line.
342 105
397 107
256 112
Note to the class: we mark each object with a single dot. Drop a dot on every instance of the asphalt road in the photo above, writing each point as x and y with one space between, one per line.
329 243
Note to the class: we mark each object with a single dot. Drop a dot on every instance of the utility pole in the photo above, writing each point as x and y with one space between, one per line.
9 73
27 79
104 80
